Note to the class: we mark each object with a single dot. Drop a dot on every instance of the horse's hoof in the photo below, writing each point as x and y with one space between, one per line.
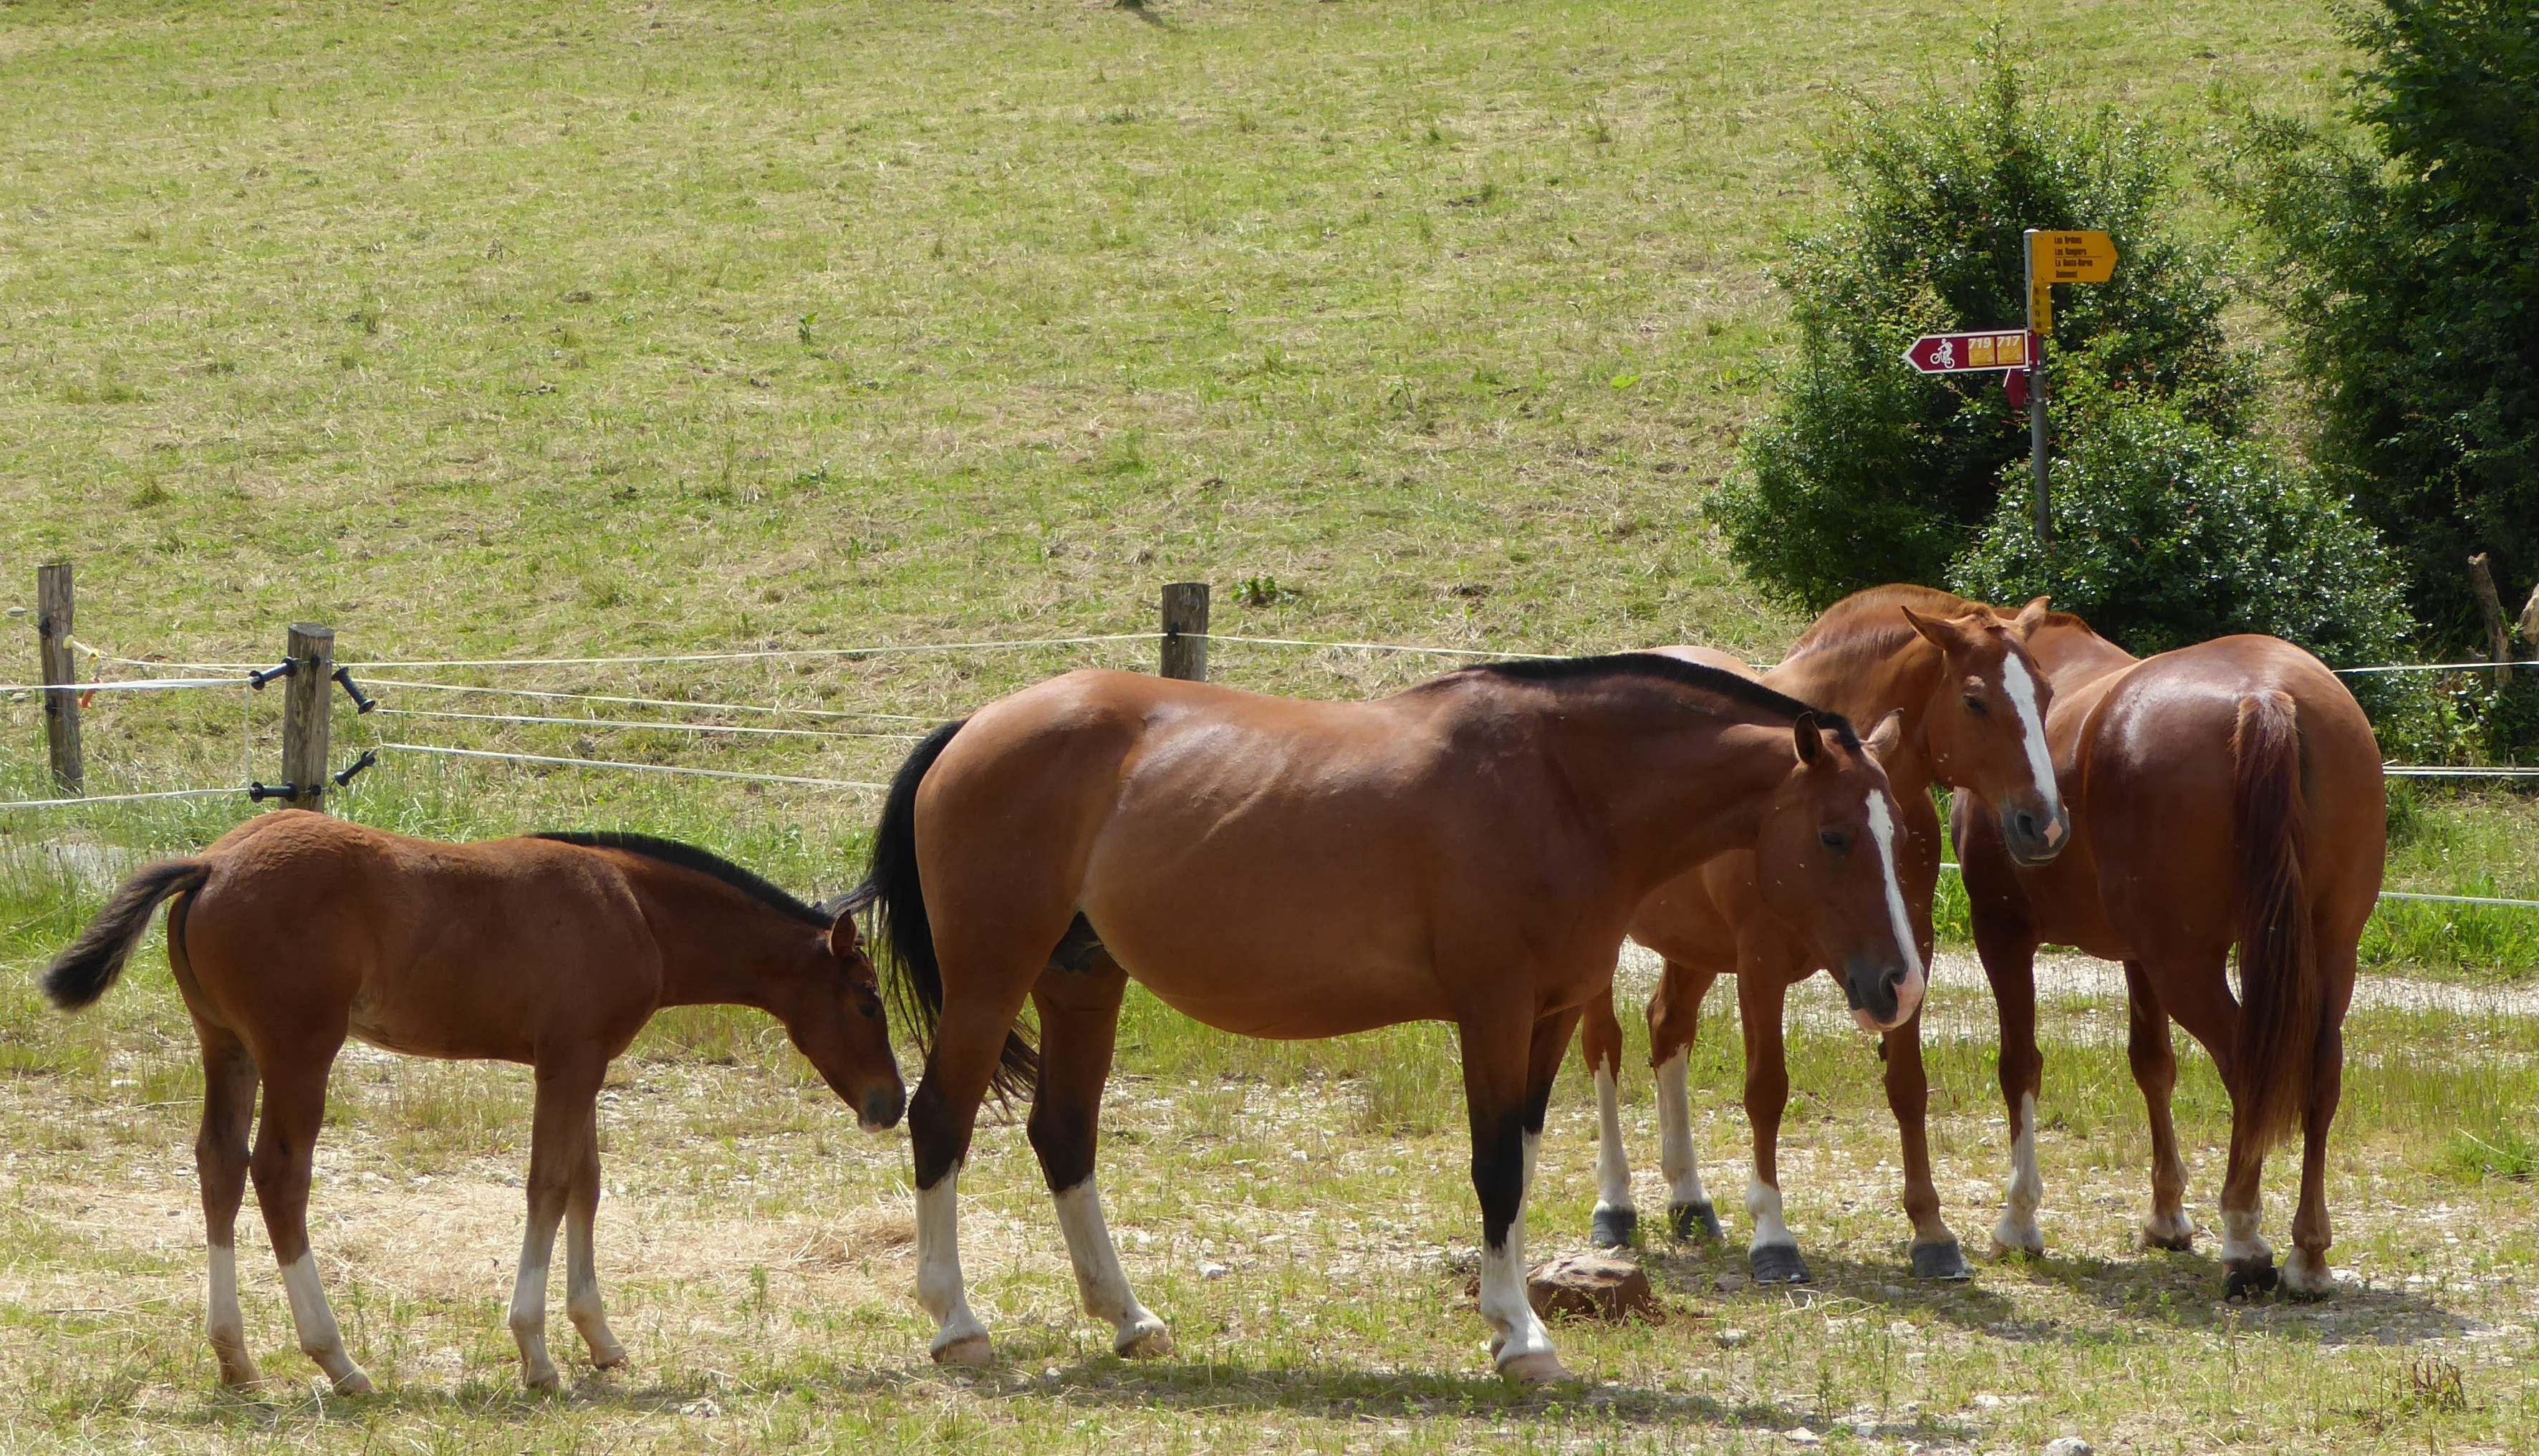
1149 1342
354 1382
1779 1264
2012 1240
615 1360
1703 1217
2307 1276
1614 1228
1540 1368
972 1352
545 1381
2250 1277
1941 1261
2175 1232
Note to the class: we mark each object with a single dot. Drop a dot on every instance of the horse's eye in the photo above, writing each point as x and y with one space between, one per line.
1834 840
1975 706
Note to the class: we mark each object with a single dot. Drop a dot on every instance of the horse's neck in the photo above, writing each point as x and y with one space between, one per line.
1677 784
2072 656
1865 688
719 947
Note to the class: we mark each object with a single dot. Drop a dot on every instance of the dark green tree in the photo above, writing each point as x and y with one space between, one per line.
1868 473
2409 264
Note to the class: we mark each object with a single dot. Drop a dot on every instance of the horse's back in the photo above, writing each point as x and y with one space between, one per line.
308 924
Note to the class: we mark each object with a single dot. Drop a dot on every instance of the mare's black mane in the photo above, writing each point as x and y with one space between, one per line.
689 856
1737 689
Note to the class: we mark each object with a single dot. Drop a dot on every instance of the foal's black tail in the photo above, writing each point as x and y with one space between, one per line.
891 886
81 974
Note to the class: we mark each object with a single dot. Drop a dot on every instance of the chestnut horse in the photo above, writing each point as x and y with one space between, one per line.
1467 851
1972 703
2224 794
294 931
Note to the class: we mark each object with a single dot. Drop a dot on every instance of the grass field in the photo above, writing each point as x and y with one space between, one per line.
546 329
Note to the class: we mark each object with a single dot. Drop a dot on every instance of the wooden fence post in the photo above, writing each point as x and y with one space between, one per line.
1185 619
60 673
2490 607
304 701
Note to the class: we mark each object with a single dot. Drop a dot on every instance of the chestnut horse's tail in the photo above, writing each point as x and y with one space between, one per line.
2281 998
892 887
81 974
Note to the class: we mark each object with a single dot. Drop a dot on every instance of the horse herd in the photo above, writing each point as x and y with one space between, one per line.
1473 850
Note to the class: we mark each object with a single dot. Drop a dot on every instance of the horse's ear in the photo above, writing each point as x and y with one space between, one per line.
1809 741
2031 616
1890 732
845 937
1933 628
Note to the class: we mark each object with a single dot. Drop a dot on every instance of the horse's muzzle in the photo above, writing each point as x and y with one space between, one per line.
1882 995
2034 836
881 1109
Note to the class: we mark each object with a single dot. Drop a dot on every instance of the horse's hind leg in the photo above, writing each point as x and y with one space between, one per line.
1080 1022
2305 1272
566 1098
2154 1067
968 1042
1675 1019
286 1141
582 1303
2009 958
1599 1040
220 1165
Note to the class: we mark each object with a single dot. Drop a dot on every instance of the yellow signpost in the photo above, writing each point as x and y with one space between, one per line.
2054 257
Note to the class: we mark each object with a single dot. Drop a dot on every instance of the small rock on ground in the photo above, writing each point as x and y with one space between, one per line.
2068 1445
1595 1286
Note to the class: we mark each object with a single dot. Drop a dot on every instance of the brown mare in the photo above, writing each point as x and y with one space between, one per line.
295 929
1469 851
1972 703
2227 793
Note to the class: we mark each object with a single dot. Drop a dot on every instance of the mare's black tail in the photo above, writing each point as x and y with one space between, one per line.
81 974
907 940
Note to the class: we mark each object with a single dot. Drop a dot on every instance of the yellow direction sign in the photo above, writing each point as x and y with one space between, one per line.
2063 257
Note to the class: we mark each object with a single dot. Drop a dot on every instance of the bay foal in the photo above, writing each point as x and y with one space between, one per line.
295 930
1469 851
2226 795
1972 703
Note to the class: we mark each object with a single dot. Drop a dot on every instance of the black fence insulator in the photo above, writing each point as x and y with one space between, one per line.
362 702
260 792
257 680
370 759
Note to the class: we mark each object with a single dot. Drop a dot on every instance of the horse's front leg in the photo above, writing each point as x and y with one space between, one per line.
561 1131
1079 1023
1936 1255
1599 1039
1509 1060
1772 1252
2008 956
1674 1020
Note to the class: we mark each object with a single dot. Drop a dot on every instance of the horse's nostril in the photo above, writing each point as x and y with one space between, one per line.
2028 825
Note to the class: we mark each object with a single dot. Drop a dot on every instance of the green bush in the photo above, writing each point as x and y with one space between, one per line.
1868 473
2409 264
2169 532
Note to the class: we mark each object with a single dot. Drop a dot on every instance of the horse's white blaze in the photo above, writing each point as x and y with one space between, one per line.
1763 1208
1099 1278
1519 1332
314 1320
1613 1160
2021 688
1882 831
938 1263
2026 1188
1676 1156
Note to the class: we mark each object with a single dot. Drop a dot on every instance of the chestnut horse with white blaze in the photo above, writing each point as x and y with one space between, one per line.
2224 794
295 930
1973 704
1467 851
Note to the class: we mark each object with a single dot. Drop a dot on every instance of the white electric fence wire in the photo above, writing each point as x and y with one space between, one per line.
643 725
58 803
629 702
641 768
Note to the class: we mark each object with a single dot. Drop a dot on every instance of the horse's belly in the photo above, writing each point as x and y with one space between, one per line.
1290 991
